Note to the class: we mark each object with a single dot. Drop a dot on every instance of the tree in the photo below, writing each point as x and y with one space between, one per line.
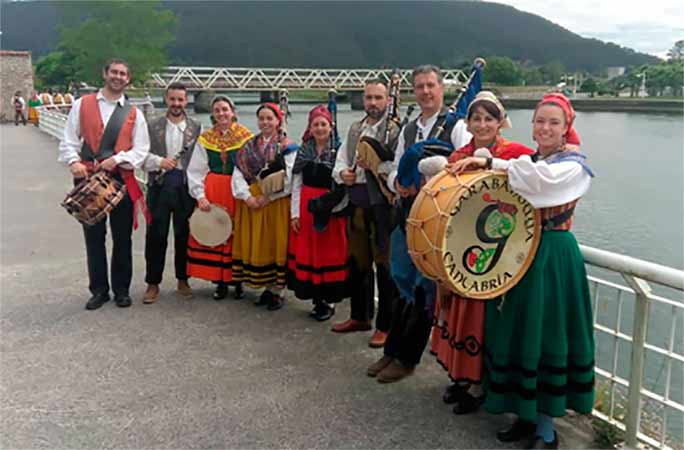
552 72
676 53
502 70
55 69
138 32
589 85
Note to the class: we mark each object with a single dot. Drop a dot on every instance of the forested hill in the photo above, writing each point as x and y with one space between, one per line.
344 34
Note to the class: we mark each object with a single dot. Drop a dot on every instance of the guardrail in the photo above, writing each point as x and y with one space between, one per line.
627 394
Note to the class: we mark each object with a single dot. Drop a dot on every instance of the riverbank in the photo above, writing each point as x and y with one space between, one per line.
608 104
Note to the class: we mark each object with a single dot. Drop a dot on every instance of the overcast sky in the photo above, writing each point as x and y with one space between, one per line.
649 27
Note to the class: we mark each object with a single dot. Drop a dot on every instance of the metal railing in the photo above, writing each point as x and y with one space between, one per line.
647 309
263 79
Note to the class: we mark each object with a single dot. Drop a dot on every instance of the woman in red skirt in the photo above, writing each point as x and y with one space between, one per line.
317 260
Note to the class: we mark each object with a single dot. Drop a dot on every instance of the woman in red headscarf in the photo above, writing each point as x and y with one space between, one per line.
262 182
317 260
539 341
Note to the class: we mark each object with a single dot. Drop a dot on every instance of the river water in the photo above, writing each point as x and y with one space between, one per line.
635 207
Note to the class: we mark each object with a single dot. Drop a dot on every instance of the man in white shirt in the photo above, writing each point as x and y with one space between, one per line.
104 132
172 140
411 324
19 105
368 226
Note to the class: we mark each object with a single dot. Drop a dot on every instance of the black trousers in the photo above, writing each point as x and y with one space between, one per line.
19 115
410 331
364 251
121 225
164 202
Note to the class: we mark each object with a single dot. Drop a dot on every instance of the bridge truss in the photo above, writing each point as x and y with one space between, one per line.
264 79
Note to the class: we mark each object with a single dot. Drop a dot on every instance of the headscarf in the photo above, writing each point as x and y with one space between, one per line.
488 96
274 108
316 112
560 100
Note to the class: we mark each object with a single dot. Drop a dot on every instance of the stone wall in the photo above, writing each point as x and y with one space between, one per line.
16 74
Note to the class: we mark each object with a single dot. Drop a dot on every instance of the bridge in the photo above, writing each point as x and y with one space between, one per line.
205 81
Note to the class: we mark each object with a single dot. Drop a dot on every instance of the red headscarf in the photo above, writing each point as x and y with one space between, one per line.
560 100
274 108
317 111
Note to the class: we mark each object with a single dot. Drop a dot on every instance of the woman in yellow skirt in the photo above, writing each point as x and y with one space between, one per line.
262 186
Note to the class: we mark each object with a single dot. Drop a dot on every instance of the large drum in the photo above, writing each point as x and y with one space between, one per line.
211 228
472 233
93 198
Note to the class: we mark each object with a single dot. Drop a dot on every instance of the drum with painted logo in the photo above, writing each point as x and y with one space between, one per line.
472 233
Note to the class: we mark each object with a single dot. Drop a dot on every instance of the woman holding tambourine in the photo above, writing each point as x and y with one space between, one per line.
539 344
210 174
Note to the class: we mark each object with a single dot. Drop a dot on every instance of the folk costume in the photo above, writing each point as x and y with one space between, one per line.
317 260
539 341
19 105
33 104
168 194
458 335
109 129
210 174
261 235
368 231
412 319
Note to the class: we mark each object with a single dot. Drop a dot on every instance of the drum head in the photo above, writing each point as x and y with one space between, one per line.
491 237
211 228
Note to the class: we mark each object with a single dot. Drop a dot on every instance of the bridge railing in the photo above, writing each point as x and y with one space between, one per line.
263 79
632 326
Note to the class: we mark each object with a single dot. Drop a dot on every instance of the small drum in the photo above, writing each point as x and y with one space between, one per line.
93 198
211 228
472 233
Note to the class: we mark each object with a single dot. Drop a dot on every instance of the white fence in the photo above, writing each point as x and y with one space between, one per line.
655 332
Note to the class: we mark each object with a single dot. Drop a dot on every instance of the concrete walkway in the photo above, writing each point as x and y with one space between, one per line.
184 373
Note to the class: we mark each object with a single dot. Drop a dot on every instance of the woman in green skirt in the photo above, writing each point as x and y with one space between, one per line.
539 341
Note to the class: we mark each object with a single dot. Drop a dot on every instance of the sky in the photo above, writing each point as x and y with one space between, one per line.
649 27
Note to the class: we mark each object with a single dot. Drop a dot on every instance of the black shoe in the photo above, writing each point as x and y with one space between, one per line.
264 298
521 429
238 294
324 312
275 303
538 442
468 404
221 292
122 300
454 393
97 300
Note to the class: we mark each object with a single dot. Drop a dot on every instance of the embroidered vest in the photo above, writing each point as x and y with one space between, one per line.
558 218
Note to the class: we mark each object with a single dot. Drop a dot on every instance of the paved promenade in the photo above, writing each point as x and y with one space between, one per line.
184 373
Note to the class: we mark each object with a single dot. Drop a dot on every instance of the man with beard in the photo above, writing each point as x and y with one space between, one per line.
368 227
104 132
172 139
412 319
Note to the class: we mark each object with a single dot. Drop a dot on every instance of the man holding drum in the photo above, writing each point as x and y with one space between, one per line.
412 322
172 140
115 139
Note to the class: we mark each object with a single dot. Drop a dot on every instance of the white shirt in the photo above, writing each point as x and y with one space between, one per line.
71 143
545 185
174 144
21 100
341 162
459 137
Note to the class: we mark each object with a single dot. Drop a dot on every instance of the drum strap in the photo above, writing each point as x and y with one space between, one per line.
556 221
110 134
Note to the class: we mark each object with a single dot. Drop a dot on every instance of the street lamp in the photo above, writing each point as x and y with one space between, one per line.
642 90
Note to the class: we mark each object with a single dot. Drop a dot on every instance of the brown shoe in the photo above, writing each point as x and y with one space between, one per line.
184 288
394 372
378 339
151 293
351 325
378 365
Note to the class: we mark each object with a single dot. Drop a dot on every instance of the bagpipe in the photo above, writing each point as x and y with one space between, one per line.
371 152
438 143
271 178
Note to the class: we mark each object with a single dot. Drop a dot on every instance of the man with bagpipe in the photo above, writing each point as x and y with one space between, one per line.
369 142
421 149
